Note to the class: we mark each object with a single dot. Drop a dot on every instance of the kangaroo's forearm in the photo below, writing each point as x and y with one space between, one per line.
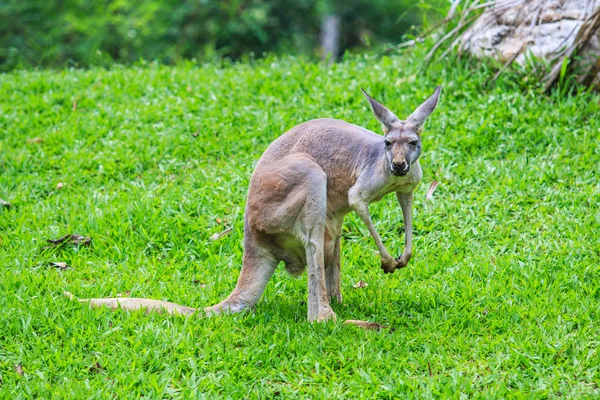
388 263
363 213
406 200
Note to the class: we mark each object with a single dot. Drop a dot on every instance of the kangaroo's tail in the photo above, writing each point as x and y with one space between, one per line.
133 303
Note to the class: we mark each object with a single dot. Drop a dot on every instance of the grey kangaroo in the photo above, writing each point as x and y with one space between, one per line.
303 185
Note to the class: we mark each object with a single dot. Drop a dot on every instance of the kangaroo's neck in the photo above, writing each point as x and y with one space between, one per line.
373 164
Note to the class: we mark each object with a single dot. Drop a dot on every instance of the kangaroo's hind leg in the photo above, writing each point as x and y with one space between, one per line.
309 228
288 201
332 270
310 231
257 268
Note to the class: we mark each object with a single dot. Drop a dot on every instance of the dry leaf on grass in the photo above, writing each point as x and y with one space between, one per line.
35 140
195 134
219 235
360 284
19 369
364 324
60 265
74 239
5 204
127 293
432 188
96 368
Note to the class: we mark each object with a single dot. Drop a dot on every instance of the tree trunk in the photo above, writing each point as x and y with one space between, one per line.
330 37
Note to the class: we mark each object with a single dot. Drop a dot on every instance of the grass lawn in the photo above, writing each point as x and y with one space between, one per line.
501 298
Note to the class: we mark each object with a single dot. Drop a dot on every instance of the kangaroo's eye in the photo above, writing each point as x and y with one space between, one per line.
387 143
414 143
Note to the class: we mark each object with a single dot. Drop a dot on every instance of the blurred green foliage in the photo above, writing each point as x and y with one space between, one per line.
58 33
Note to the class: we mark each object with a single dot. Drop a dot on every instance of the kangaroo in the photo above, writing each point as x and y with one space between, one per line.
303 185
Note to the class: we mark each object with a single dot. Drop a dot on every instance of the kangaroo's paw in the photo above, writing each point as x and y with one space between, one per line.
402 262
389 266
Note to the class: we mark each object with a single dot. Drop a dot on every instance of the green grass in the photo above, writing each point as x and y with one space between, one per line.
501 298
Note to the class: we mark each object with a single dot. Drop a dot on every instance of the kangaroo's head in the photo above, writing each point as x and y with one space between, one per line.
402 139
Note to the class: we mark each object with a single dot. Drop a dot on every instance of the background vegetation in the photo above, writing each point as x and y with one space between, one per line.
61 33
501 299
502 296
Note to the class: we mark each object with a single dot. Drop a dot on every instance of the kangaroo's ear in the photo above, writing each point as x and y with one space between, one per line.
418 117
385 116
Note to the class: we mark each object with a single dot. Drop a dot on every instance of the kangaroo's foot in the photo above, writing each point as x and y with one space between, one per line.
325 313
226 307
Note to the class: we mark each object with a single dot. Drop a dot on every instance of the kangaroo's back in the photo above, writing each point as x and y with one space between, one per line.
331 142
341 150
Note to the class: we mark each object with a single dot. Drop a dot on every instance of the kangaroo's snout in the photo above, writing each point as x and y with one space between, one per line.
400 168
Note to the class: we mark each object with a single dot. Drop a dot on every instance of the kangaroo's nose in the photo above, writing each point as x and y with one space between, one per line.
400 168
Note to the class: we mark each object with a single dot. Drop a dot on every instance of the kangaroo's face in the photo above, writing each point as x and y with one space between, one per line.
402 149
402 141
